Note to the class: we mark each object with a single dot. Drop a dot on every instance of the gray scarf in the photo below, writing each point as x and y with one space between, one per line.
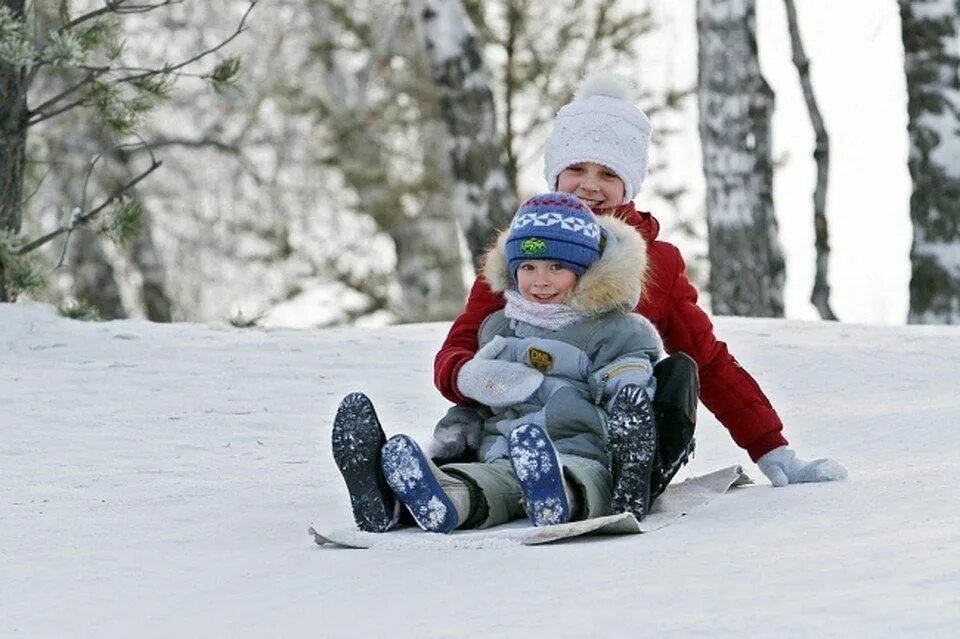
552 317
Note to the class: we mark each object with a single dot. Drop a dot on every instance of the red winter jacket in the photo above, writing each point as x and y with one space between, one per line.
669 301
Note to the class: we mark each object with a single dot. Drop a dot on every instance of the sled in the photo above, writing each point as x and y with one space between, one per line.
678 500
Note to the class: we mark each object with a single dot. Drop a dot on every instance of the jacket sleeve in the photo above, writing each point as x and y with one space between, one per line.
726 388
462 341
625 355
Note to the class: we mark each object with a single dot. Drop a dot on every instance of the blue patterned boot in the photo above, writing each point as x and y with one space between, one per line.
437 501
537 465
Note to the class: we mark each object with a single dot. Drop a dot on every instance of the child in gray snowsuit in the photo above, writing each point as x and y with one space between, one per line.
550 370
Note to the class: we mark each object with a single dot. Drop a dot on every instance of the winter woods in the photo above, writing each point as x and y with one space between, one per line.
317 162
932 50
74 61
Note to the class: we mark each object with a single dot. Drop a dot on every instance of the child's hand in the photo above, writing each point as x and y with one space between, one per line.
459 430
495 347
782 467
495 383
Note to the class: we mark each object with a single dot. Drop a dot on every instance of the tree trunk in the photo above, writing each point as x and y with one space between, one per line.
428 268
933 105
153 291
429 262
482 197
142 252
736 104
94 278
13 144
428 253
820 297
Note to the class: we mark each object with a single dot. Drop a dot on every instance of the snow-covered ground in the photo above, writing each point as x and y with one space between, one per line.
158 481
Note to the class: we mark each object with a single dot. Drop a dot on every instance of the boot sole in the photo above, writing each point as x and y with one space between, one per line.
356 441
537 466
633 445
409 474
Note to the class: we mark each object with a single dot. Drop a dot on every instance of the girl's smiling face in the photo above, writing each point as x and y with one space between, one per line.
545 281
596 185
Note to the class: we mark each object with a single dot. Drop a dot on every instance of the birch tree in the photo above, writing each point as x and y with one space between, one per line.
483 197
382 129
736 105
932 63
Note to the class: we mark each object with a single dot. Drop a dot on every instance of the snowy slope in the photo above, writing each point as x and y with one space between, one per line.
158 481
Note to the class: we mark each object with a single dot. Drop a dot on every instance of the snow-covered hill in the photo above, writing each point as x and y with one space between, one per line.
158 480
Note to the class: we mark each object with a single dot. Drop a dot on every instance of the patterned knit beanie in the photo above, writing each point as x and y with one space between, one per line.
553 226
602 126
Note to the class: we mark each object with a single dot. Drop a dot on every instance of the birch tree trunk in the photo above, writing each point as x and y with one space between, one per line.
428 252
483 200
820 297
932 52
431 272
13 144
736 105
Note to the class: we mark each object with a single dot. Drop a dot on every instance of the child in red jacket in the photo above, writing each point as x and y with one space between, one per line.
598 152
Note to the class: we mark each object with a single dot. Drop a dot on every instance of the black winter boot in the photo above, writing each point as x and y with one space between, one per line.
675 411
357 442
632 440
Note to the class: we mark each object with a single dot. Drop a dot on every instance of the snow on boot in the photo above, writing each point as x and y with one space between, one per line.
537 465
429 494
632 441
357 440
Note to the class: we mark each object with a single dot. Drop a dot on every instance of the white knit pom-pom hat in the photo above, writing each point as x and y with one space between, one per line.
601 126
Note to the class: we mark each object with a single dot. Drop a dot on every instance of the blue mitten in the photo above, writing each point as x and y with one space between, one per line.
782 467
494 382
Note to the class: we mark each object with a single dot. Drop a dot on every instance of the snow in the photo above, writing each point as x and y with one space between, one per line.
158 481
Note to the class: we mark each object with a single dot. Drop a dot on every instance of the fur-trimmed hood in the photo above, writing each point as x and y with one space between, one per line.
613 282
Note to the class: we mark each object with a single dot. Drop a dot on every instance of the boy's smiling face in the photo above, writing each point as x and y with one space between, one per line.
596 185
545 281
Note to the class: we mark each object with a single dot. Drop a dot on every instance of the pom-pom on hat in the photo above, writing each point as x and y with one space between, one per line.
602 126
553 226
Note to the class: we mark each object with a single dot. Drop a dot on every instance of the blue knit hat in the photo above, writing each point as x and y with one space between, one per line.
553 226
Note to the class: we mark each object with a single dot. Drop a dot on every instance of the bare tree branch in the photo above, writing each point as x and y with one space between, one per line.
820 297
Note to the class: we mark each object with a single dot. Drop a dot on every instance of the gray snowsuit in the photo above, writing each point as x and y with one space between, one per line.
583 364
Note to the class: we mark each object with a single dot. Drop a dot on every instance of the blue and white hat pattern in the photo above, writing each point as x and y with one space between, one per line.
557 227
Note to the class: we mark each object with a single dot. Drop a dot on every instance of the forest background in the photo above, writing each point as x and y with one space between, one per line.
303 170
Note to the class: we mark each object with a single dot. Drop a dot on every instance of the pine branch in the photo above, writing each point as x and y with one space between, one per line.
119 7
84 218
91 75
41 113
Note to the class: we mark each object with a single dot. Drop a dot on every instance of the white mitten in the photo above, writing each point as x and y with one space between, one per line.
497 383
782 467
